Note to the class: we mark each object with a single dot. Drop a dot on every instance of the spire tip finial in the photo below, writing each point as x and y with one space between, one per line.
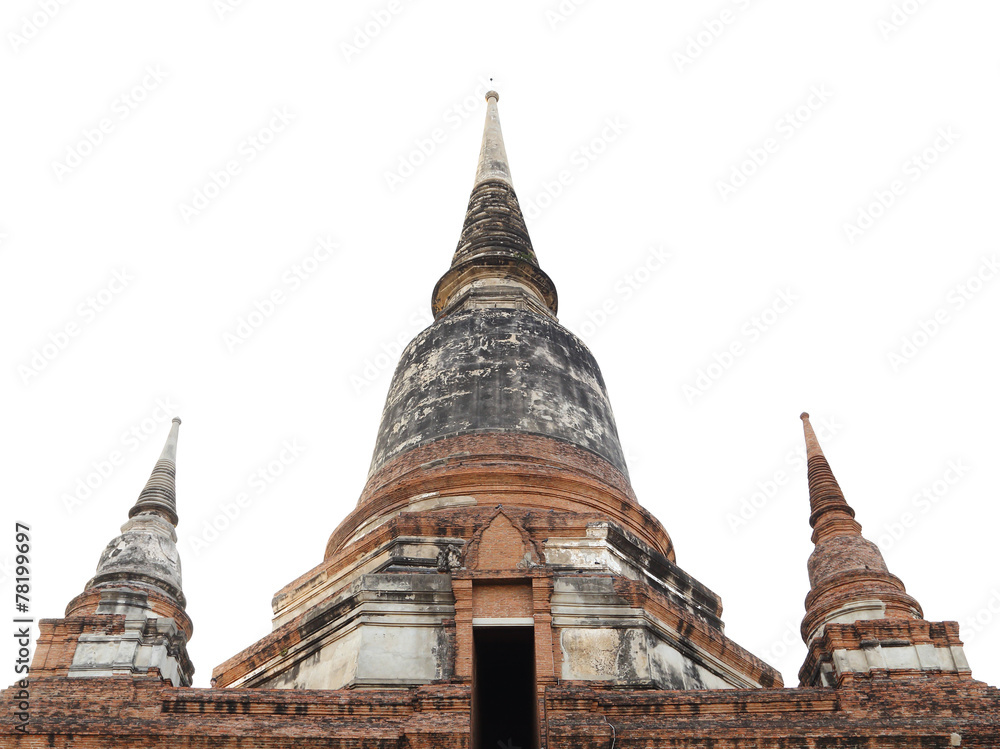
804 416
491 94
176 420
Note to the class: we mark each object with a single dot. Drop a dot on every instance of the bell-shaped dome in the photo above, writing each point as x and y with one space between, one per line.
497 370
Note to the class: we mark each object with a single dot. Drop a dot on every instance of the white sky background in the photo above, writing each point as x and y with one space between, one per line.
654 183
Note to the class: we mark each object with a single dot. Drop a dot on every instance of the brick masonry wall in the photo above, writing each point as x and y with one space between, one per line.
58 638
492 601
509 469
126 712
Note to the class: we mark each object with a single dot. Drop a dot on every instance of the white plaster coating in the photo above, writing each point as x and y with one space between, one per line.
330 667
419 503
601 655
666 659
855 611
323 584
596 552
135 651
923 657
927 656
398 655
503 293
146 551
958 656
581 604
599 552
389 636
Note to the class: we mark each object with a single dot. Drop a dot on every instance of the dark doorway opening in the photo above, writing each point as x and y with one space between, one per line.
503 700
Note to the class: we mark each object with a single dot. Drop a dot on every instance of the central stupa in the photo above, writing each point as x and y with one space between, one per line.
497 545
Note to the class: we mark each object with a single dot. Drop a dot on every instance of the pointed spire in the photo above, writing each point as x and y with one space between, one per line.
493 156
830 514
494 264
848 577
159 494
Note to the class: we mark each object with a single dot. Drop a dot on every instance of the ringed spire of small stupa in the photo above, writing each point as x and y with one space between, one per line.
829 512
160 492
848 577
494 264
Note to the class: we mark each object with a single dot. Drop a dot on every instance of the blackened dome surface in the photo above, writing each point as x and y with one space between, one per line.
497 370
